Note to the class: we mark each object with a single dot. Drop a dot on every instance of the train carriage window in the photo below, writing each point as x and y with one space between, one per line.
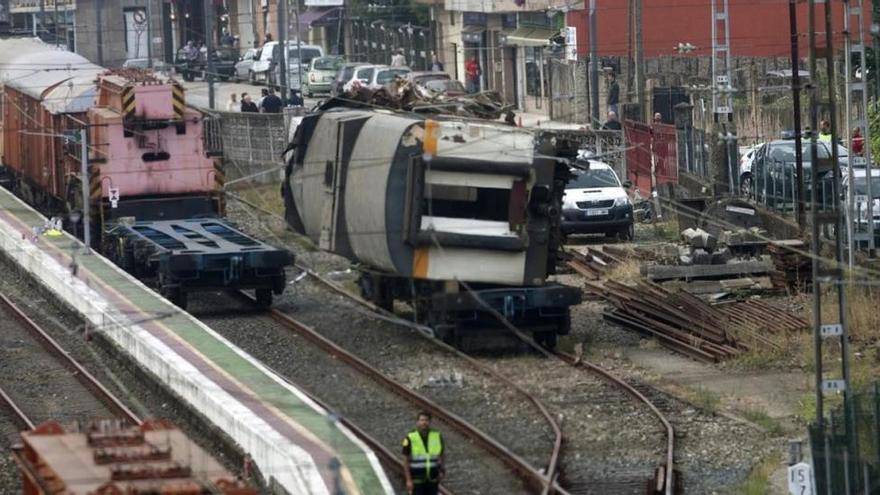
479 203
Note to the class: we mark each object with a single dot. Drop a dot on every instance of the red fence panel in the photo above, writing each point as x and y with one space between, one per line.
644 142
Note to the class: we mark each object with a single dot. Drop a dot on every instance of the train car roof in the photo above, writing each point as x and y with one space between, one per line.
63 81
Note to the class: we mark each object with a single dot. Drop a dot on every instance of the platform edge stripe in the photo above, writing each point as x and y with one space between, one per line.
363 452
93 307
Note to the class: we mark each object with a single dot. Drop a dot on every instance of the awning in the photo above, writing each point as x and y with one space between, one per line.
531 36
321 17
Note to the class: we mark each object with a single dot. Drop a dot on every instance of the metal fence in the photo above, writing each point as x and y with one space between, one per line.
251 144
847 460
570 100
651 147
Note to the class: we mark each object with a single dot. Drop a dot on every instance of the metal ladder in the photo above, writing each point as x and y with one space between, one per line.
856 117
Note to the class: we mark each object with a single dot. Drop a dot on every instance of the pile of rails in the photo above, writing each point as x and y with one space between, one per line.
791 269
687 324
409 96
593 264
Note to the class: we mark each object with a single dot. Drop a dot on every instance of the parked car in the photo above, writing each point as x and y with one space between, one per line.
596 202
439 82
224 64
244 66
745 169
266 68
384 75
321 75
361 75
773 173
344 74
144 63
860 200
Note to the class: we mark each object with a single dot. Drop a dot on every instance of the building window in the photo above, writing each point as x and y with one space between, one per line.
452 18
537 71
508 21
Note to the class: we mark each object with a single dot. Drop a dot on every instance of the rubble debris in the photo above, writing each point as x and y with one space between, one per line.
735 268
686 324
704 287
592 263
791 269
410 96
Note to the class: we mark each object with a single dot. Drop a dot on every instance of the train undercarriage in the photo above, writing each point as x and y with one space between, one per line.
458 313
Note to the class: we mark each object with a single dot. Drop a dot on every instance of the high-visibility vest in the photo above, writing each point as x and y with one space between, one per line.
826 137
422 460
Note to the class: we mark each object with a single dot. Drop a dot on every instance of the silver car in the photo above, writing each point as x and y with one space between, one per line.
243 66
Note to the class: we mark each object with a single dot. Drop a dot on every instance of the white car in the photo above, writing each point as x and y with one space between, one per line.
595 201
861 200
745 168
265 69
244 66
374 76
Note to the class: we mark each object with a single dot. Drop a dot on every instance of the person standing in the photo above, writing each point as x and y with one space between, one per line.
825 131
613 98
472 75
612 124
232 105
263 94
247 105
397 58
436 66
271 103
858 142
424 458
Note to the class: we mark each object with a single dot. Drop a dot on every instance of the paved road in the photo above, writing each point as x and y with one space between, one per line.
197 93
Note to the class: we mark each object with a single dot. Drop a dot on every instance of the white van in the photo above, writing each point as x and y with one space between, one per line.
596 202
266 69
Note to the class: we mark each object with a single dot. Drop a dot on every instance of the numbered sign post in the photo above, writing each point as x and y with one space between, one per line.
800 479
114 197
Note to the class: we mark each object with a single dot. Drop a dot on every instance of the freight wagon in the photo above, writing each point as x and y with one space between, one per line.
459 218
153 196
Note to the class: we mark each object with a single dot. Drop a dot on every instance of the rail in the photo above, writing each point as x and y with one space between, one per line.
534 479
20 415
664 475
88 380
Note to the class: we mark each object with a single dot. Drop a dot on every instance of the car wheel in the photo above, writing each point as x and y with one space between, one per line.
745 185
628 233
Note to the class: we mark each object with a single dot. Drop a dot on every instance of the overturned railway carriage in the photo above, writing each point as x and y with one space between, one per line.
459 217
154 197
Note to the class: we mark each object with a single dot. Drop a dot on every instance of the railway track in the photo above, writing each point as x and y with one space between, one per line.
478 457
661 482
61 367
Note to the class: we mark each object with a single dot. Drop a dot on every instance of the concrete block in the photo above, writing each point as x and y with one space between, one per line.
702 257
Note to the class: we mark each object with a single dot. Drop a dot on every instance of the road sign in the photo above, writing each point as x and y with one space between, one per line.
114 197
723 109
800 479
859 161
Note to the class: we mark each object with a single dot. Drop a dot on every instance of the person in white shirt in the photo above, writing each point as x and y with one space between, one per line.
232 105
397 58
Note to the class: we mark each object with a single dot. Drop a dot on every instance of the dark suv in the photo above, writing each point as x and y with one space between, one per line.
772 178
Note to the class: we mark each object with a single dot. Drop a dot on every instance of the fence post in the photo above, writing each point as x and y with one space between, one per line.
877 422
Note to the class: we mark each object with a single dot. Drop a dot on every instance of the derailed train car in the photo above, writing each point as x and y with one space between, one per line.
155 199
460 218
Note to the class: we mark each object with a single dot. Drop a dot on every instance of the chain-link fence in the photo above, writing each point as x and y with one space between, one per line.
569 100
846 455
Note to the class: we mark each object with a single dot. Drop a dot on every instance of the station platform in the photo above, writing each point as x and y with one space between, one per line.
290 438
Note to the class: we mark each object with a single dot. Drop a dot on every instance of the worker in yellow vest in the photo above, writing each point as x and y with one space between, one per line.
424 458
825 131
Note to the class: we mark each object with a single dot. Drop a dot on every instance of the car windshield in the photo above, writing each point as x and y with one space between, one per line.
388 75
365 74
346 73
445 85
327 63
592 178
307 54
862 186
784 152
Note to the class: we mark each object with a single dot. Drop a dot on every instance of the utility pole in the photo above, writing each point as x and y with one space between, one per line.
299 53
641 97
630 62
55 21
42 19
796 102
84 181
209 46
149 33
99 4
723 155
828 272
285 53
594 64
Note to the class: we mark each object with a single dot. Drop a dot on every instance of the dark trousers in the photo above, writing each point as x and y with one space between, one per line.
426 488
